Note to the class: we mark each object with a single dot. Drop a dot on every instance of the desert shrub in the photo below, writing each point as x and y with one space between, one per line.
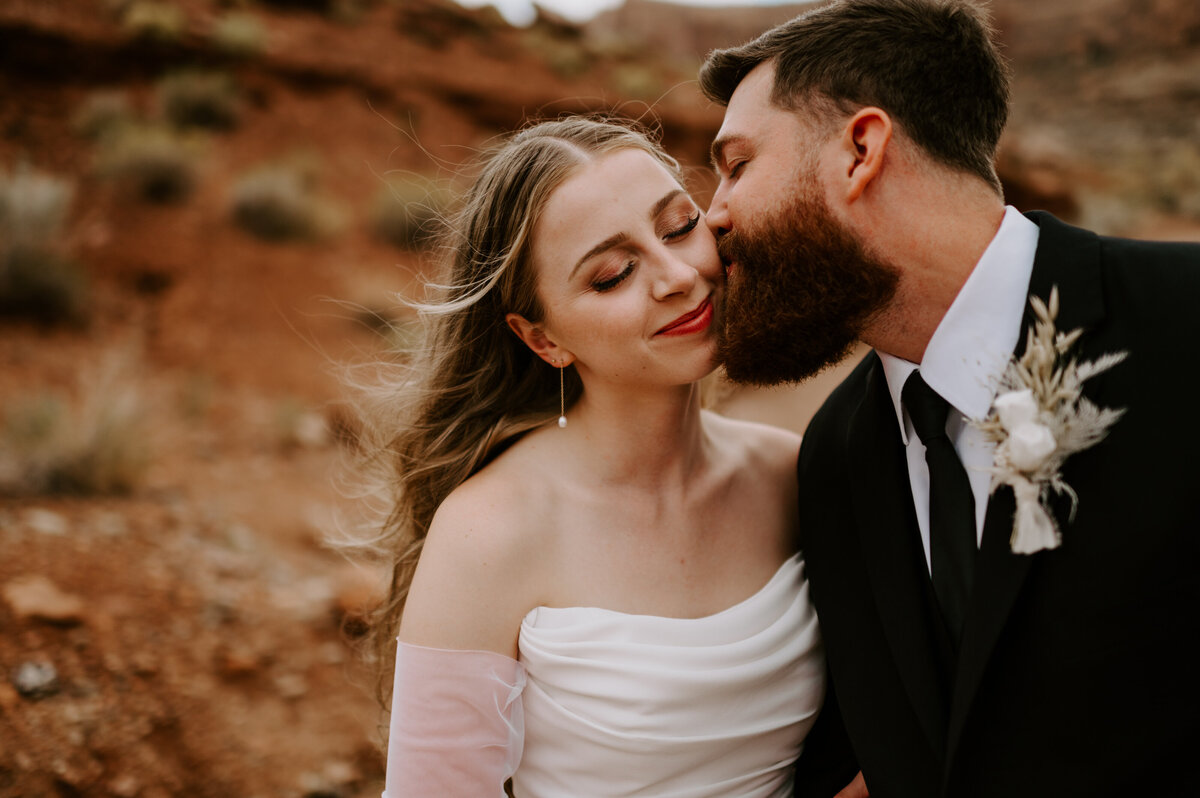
1175 182
192 98
279 202
33 207
317 6
239 34
614 46
437 24
157 161
42 286
299 427
638 82
196 397
403 337
409 210
102 113
37 280
153 21
91 447
566 57
400 335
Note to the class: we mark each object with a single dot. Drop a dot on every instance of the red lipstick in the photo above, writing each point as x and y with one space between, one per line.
693 321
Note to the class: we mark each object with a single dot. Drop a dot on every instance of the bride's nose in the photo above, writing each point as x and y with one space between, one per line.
673 276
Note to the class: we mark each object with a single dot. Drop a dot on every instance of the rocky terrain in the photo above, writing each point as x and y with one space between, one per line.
206 208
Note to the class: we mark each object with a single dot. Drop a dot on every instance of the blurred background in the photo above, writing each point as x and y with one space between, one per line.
207 207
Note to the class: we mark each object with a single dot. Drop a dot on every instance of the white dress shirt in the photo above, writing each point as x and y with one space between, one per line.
965 358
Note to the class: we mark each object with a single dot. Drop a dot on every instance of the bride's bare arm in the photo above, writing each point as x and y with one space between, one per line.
475 579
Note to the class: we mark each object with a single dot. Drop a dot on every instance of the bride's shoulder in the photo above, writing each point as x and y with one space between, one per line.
481 566
498 498
502 509
754 444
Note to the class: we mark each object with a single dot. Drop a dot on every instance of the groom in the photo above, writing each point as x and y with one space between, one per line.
858 201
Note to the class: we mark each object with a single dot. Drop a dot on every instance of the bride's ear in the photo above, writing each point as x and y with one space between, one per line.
535 337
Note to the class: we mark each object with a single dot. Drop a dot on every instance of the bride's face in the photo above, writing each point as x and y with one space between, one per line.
628 273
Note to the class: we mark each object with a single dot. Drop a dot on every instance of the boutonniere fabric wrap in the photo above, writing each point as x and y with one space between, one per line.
1040 418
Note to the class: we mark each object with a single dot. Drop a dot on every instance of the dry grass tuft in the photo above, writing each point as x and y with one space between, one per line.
410 211
37 280
158 161
95 445
279 203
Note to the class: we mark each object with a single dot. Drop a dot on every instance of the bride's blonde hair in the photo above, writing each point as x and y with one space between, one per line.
473 387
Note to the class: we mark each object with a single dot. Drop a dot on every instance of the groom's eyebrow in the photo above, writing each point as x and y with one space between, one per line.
717 151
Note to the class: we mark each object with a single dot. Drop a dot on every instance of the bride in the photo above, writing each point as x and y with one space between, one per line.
596 587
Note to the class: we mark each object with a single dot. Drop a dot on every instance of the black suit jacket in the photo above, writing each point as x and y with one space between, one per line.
1075 676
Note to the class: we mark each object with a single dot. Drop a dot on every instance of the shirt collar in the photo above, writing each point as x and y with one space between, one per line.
972 344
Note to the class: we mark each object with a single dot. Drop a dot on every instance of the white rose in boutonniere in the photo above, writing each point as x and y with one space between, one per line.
1038 420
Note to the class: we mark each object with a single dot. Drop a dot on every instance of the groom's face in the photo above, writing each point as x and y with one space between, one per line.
801 285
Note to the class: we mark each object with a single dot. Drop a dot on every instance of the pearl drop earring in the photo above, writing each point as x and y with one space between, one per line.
562 405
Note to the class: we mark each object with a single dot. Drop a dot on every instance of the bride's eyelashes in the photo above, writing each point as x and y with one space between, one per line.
609 283
692 221
606 284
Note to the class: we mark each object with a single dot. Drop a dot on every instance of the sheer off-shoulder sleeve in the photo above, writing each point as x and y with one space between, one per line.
457 727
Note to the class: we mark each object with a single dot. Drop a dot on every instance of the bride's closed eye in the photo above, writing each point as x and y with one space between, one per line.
680 232
609 283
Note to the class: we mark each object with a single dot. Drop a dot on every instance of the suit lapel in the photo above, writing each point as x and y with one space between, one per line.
1066 257
892 552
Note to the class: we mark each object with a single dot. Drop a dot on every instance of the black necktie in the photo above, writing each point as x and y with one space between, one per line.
951 505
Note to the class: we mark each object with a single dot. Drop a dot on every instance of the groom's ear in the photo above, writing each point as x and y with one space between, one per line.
864 141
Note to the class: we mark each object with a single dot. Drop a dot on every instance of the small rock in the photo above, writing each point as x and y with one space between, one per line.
45 522
125 786
331 653
311 431
235 662
340 772
291 685
359 590
8 697
110 525
36 679
35 596
144 663
316 785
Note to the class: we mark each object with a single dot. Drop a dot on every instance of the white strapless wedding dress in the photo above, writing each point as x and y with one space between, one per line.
634 705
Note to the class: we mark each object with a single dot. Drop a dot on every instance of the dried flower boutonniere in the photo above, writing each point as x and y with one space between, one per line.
1039 419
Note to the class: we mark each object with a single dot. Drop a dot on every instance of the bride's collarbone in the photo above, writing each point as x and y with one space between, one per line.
686 566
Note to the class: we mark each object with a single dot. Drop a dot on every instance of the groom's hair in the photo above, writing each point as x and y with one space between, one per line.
930 64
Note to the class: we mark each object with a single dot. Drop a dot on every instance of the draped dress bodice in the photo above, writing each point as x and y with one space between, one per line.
621 705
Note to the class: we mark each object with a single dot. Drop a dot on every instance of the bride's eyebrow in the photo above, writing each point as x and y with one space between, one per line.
621 238
664 202
606 244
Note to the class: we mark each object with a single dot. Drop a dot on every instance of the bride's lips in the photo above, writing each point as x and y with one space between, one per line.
691 322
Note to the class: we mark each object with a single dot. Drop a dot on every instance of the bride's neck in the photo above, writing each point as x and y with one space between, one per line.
649 438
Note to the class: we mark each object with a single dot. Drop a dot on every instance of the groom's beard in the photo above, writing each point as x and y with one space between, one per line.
800 291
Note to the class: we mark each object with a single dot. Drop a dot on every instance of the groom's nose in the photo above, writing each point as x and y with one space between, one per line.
717 216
